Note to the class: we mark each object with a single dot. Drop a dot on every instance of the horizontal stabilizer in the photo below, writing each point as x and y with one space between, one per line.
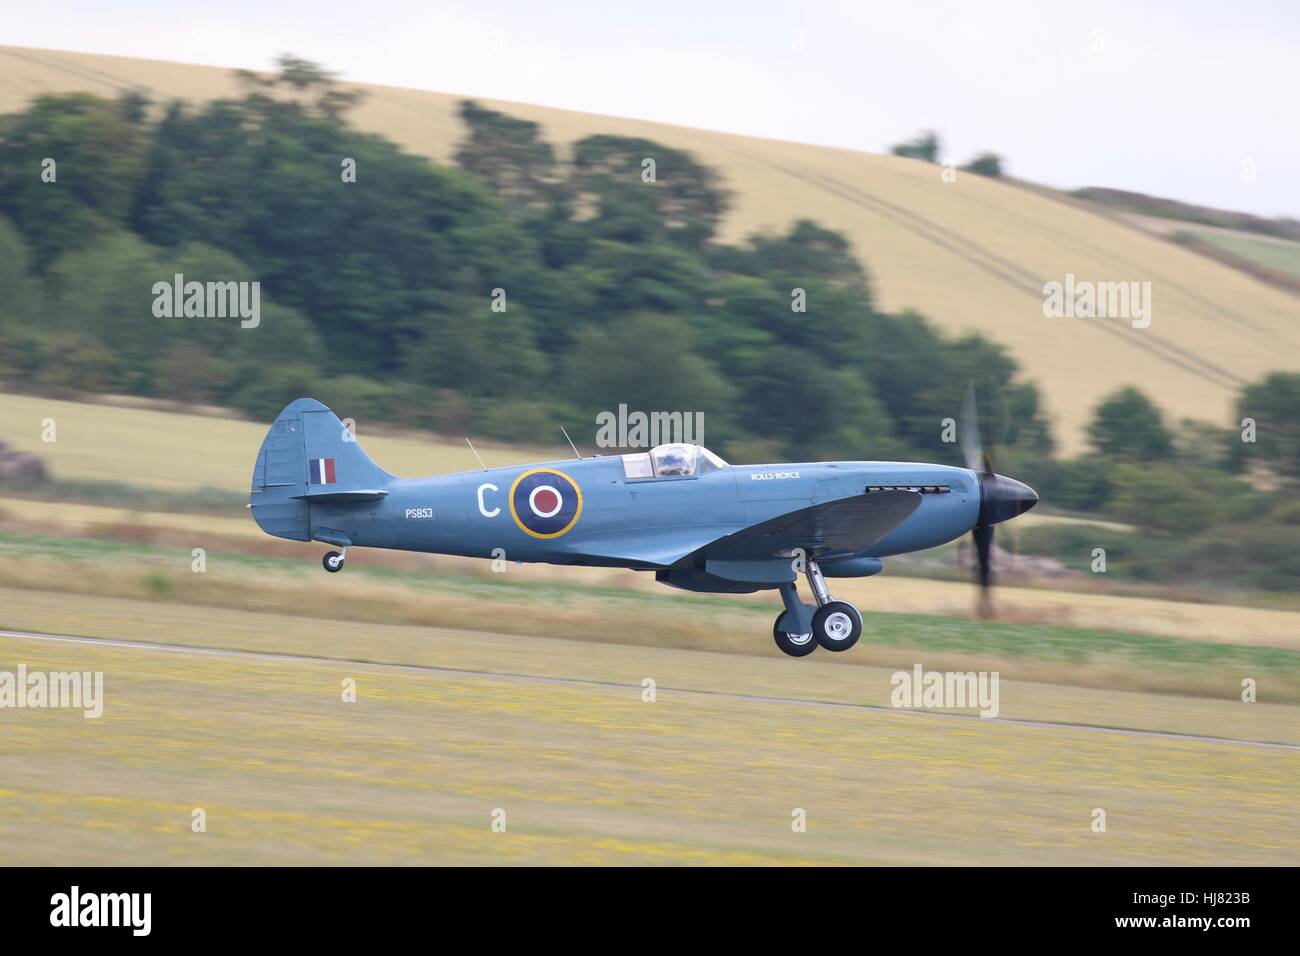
359 494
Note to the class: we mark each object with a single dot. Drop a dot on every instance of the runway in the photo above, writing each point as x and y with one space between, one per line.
585 682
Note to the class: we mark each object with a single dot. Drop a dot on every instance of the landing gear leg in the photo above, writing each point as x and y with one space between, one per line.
817 583
836 625
333 560
793 628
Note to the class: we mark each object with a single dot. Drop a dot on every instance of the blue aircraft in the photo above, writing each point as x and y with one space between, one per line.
678 510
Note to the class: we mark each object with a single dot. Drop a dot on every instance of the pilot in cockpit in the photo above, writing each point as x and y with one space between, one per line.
673 460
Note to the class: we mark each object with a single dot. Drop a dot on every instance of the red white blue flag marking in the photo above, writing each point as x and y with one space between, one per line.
321 471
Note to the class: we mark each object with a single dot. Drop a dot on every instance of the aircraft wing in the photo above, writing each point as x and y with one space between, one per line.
843 526
651 547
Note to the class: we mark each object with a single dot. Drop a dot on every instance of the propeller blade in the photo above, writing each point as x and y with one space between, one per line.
968 435
983 537
1000 497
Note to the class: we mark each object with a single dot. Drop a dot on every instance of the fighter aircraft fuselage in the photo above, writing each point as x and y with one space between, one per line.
679 510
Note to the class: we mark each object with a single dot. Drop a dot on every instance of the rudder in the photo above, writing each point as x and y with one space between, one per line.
308 455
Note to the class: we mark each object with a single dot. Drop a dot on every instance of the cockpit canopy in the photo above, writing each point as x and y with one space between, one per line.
671 461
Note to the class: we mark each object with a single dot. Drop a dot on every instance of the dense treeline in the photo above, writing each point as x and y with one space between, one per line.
521 289
1206 507
378 295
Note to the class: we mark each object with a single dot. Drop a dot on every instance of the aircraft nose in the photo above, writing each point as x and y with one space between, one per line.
1003 498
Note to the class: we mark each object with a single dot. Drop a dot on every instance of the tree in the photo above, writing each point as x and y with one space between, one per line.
1128 426
1204 443
1273 404
622 278
807 251
96 145
985 164
478 352
300 86
509 155
647 362
922 377
365 261
817 412
19 306
102 296
1178 498
925 146
684 199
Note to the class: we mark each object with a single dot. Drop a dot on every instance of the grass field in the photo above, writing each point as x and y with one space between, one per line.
1271 253
630 609
97 535
584 769
973 254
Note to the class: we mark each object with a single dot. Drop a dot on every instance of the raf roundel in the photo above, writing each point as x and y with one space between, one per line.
545 503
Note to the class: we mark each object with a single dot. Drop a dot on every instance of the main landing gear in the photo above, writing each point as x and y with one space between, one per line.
333 560
800 628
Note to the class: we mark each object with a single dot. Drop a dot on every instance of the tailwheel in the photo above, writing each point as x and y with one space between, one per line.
837 625
796 645
332 562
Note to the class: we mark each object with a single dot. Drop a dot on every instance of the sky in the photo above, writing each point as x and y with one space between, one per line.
1193 100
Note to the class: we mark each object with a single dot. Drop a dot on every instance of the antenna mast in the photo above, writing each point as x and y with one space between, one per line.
571 444
476 454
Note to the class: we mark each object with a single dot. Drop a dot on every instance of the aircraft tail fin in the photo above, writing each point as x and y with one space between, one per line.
308 455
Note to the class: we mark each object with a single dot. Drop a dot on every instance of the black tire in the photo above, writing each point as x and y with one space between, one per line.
837 626
795 646
329 557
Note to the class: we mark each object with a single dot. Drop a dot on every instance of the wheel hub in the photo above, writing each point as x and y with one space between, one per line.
838 626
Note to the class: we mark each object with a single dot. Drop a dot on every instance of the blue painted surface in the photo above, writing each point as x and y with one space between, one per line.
649 524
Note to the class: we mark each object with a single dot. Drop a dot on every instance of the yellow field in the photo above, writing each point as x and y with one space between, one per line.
584 770
164 450
972 255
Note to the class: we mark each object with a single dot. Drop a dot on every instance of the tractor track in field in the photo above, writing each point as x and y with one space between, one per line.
80 73
484 674
1001 269
1193 302
1205 308
1020 278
